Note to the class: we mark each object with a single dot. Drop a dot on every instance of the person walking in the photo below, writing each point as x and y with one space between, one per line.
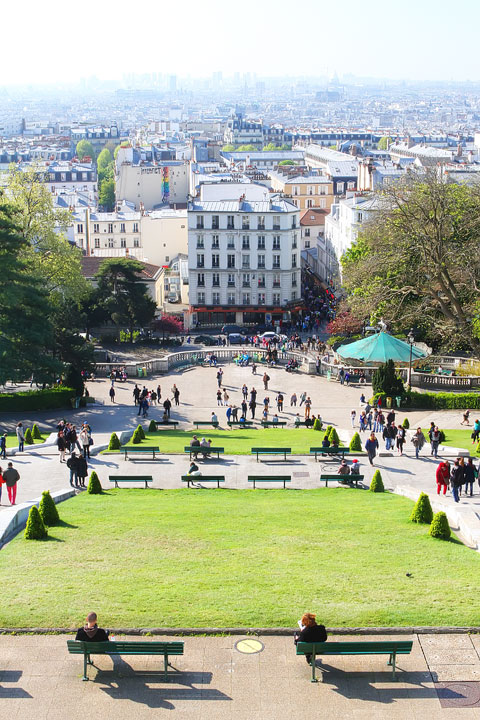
475 432
470 474
253 394
456 479
266 379
303 397
252 405
293 400
442 476
61 445
10 477
371 446
353 415
244 407
3 446
219 398
226 397
418 441
111 392
435 441
136 394
176 395
401 433
308 407
219 377
245 391
85 440
82 470
280 402
20 436
159 393
341 375
466 416
167 406
72 464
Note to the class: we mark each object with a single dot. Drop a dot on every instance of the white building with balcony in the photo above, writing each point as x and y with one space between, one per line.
243 255
345 220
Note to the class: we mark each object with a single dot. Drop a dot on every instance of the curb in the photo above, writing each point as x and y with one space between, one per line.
280 631
13 520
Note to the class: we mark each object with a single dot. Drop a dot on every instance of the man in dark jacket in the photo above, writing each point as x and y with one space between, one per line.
72 464
389 434
457 477
90 632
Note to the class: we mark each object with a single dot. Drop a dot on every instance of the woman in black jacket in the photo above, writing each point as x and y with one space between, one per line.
310 632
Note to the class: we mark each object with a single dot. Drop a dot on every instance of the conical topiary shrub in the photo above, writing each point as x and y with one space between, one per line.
152 426
317 425
35 529
328 431
333 437
28 437
440 527
137 435
377 483
94 487
114 443
37 435
406 424
48 510
422 510
356 443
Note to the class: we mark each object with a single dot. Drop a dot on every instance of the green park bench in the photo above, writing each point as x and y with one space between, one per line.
203 478
237 423
300 423
271 423
344 479
130 479
196 450
138 450
271 451
198 423
130 647
166 423
333 452
269 479
369 647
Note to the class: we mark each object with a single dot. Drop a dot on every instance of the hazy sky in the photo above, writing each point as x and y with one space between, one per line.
44 42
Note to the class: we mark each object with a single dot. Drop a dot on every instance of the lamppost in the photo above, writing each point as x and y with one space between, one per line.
411 340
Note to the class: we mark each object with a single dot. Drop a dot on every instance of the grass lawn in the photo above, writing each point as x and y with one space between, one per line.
459 439
152 558
237 442
12 441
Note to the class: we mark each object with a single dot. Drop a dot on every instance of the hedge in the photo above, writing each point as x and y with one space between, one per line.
436 401
50 399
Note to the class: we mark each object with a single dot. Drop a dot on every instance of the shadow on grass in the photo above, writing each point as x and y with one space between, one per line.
62 523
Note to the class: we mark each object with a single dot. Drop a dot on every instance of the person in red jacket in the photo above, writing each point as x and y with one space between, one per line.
442 476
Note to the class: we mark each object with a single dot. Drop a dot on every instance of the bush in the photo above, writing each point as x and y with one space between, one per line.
37 435
28 437
58 397
440 527
48 510
114 443
422 510
376 485
443 400
35 529
317 424
406 424
152 427
94 486
333 437
385 380
328 431
138 435
356 443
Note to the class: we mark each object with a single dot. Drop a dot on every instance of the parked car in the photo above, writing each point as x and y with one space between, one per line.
227 329
236 339
172 297
205 340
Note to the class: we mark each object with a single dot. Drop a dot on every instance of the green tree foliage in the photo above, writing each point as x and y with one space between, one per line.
429 224
246 148
333 437
384 142
287 162
106 195
120 296
317 424
104 159
48 510
440 527
152 427
385 380
106 182
26 335
406 424
114 443
94 486
37 435
84 149
35 529
376 485
422 510
137 435
28 437
356 443
228 148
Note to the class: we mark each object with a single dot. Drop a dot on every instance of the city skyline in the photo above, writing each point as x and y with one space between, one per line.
374 39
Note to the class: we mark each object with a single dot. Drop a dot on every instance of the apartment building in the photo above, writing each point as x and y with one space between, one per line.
154 237
341 168
305 191
345 220
243 255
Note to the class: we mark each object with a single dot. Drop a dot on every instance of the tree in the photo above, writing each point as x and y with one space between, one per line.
84 149
48 510
431 225
271 148
355 443
114 443
246 148
376 485
36 432
104 159
440 527
344 324
385 380
422 510
28 437
26 335
287 162
228 148
384 142
168 324
106 195
94 486
35 529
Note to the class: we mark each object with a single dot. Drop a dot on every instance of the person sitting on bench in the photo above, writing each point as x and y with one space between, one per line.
205 444
325 442
355 469
343 469
194 443
91 632
310 632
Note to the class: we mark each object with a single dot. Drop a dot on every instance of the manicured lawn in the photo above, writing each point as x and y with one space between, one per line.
152 558
459 439
237 442
12 441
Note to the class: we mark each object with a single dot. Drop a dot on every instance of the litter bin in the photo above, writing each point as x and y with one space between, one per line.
144 371
140 372
389 402
398 400
329 374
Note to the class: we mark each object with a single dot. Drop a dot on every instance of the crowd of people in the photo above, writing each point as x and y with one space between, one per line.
69 440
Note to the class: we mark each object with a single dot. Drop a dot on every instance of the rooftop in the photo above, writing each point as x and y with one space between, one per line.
91 265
